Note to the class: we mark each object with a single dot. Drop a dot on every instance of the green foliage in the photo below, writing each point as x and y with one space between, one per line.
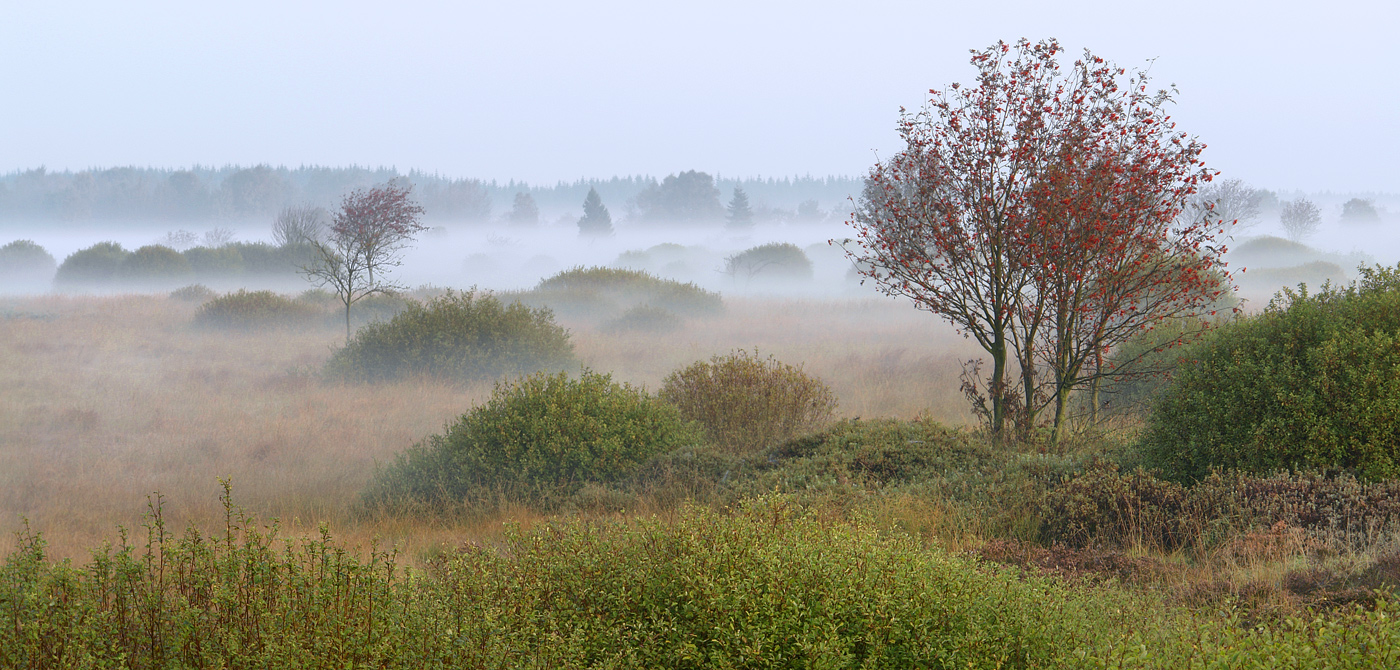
23 262
602 293
644 319
251 310
154 263
261 258
1144 365
746 402
538 440
94 265
772 261
458 336
225 261
193 293
1309 384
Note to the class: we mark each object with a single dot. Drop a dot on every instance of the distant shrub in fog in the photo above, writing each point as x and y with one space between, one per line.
193 293
776 261
154 263
604 293
1358 210
643 319
538 441
253 310
94 265
746 402
459 336
225 261
24 263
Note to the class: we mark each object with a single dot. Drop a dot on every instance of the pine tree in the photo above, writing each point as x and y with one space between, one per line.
596 221
524 212
740 214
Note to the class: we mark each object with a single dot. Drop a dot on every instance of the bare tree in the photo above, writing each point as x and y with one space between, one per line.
370 230
218 237
300 224
1227 200
1300 219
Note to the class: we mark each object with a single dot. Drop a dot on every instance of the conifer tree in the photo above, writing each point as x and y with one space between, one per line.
596 221
740 215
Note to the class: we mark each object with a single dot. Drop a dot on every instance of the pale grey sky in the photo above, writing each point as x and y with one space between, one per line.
1289 95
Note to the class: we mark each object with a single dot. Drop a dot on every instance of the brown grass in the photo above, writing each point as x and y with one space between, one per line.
104 400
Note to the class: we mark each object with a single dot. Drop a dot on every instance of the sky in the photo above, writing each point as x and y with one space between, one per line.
1287 95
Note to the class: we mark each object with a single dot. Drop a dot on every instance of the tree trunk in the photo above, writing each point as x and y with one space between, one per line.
998 386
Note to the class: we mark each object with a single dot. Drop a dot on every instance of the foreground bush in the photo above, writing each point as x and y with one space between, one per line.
747 402
94 265
1312 383
250 310
537 441
459 336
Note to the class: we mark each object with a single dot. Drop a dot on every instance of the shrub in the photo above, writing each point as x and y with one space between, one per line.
1309 384
154 263
248 310
96 264
538 440
645 319
776 260
193 293
24 263
604 292
460 336
746 402
223 261
261 258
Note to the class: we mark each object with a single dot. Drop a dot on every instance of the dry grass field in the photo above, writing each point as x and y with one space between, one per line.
105 400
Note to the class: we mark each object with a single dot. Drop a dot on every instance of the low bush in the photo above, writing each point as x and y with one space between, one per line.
1310 383
92 266
746 402
251 310
193 293
24 264
462 337
600 293
644 319
538 441
773 261
154 263
225 261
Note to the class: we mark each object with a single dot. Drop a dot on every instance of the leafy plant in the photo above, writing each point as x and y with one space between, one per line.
459 336
746 402
249 310
96 264
537 440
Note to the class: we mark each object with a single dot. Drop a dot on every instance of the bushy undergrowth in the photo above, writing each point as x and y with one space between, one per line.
600 294
193 293
538 441
746 402
94 265
252 310
458 336
765 585
153 264
25 264
1311 383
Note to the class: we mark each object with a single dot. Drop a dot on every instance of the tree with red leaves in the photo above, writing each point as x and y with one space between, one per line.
366 238
1037 212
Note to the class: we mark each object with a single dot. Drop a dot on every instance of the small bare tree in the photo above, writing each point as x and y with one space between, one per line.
369 232
1300 219
300 224
218 237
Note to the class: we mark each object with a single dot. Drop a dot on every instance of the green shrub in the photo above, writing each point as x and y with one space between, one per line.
602 293
25 264
459 336
263 259
537 440
776 260
746 402
1311 383
94 265
644 319
250 310
225 261
193 293
154 263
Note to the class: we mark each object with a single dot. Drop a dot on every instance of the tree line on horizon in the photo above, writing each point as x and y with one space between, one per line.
233 193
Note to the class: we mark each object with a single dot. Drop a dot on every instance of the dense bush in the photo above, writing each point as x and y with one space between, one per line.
94 265
1311 383
193 293
603 293
776 260
746 402
538 440
261 258
225 261
459 336
643 319
248 310
24 264
154 263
